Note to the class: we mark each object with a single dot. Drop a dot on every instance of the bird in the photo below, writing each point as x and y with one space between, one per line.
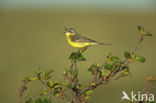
78 41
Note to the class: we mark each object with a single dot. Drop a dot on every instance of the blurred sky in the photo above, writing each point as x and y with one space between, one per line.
113 4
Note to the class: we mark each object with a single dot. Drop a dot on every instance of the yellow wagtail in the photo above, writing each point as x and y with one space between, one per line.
78 41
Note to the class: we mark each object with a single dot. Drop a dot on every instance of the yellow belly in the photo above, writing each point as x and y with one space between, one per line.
78 44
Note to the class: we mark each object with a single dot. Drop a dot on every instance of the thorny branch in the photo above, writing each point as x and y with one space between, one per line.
78 94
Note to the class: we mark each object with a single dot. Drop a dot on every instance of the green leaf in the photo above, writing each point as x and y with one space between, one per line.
73 72
81 92
87 97
48 72
94 66
115 59
77 56
90 69
47 75
43 93
70 85
38 101
108 66
127 72
42 101
55 85
29 78
127 54
29 101
125 68
46 101
50 83
32 78
56 93
89 92
140 28
100 73
140 59
38 73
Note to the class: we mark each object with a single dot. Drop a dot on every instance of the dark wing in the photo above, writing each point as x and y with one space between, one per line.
82 39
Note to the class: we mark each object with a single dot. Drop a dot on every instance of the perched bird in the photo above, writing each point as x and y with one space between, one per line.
78 41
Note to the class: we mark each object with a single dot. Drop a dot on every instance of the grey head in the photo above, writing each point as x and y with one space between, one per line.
71 30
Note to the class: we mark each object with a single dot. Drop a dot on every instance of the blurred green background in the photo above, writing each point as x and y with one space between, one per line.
31 37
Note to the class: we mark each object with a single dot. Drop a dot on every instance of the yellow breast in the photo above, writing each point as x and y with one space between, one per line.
76 44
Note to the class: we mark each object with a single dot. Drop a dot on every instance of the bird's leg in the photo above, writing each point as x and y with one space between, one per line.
81 50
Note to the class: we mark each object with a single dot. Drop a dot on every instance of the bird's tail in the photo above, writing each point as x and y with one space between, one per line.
104 43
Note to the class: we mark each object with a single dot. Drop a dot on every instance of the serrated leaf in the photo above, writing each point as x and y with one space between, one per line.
115 59
108 66
77 56
140 59
127 54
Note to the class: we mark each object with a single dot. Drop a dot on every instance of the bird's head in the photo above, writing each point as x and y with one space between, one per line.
70 31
